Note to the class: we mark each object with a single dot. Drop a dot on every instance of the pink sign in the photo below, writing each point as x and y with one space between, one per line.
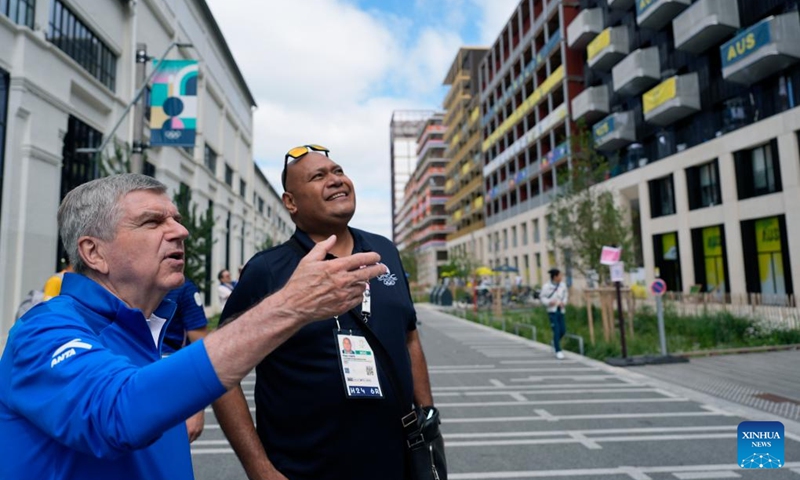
610 255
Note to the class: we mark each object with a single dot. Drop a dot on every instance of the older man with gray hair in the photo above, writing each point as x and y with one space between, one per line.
84 390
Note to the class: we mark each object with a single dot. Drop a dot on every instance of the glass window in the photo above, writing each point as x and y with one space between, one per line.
19 11
75 39
228 175
242 187
210 159
703 185
758 171
662 197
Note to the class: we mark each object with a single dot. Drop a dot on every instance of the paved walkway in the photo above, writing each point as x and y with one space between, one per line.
766 381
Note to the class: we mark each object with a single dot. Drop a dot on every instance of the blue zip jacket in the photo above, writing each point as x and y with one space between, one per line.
84 392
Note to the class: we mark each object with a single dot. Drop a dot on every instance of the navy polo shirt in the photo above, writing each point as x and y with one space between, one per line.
310 430
189 316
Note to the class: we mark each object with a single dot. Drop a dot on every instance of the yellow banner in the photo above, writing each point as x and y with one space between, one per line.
712 242
448 185
600 42
478 203
522 110
465 168
661 93
768 235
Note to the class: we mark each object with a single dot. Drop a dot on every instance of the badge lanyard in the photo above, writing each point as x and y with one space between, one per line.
357 359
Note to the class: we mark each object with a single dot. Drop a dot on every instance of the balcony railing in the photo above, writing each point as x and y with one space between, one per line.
672 99
705 24
655 14
615 131
637 72
591 104
608 48
584 28
767 47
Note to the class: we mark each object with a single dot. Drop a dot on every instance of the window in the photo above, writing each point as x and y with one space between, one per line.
210 159
260 203
710 265
668 260
524 229
19 11
514 237
536 238
242 187
3 108
149 169
75 39
269 212
505 239
758 171
229 175
704 187
662 198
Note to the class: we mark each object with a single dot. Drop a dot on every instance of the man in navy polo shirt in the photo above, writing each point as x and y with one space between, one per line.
188 325
320 412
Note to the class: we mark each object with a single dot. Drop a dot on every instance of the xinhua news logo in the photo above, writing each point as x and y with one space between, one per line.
760 445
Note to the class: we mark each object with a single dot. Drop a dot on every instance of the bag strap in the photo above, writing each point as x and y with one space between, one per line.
408 419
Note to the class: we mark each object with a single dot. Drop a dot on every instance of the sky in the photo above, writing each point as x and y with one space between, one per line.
331 72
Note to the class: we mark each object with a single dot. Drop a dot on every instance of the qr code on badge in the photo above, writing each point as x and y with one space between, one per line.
370 370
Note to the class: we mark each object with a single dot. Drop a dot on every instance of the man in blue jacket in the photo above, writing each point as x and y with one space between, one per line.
84 392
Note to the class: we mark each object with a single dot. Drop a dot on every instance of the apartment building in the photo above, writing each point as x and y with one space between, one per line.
464 169
67 75
693 104
422 222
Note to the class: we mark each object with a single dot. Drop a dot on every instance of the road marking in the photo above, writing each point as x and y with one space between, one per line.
571 387
584 432
447 367
515 395
597 440
580 378
511 370
562 402
701 475
570 390
599 416
588 472
496 382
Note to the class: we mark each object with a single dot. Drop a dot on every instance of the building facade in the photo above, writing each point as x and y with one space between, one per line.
67 75
464 169
694 105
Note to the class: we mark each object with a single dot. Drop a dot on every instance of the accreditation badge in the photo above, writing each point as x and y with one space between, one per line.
357 362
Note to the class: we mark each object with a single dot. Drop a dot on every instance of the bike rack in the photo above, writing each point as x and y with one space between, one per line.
531 327
579 339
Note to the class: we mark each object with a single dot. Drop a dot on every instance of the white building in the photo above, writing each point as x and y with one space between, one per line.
67 74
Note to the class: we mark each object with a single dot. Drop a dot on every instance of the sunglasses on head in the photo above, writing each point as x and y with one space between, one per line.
298 152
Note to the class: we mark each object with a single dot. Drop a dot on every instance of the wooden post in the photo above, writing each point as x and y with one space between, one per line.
588 300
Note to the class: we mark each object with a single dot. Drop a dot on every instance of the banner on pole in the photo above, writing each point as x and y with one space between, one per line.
173 104
610 255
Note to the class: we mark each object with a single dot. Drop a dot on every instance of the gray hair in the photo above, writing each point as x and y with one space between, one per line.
92 209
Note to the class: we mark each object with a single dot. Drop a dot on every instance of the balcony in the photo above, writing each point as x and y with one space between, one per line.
591 104
584 28
639 71
768 46
608 48
672 99
620 4
657 13
615 131
705 24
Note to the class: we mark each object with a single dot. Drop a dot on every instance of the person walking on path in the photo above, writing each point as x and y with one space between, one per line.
554 296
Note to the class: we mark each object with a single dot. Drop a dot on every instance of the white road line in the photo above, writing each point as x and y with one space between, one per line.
581 378
588 472
532 388
562 402
706 475
512 370
585 441
448 367
544 359
496 382
515 395
546 416
511 390
599 431
556 441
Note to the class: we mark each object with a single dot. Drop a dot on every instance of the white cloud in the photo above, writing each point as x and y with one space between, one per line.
495 14
323 71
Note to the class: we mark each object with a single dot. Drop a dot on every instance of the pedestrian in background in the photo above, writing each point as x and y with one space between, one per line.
554 296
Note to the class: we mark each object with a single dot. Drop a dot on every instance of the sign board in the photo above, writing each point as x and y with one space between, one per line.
610 255
658 287
618 272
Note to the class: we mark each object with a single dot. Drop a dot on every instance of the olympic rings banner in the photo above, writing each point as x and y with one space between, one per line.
173 104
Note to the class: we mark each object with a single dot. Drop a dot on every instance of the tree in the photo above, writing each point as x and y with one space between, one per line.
584 216
409 260
197 248
266 244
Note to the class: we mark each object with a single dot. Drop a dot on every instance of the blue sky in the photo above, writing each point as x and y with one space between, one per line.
332 72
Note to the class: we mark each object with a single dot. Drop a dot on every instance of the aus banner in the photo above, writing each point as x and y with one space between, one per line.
173 104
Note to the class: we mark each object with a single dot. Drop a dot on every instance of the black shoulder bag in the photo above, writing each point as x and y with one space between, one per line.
421 426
